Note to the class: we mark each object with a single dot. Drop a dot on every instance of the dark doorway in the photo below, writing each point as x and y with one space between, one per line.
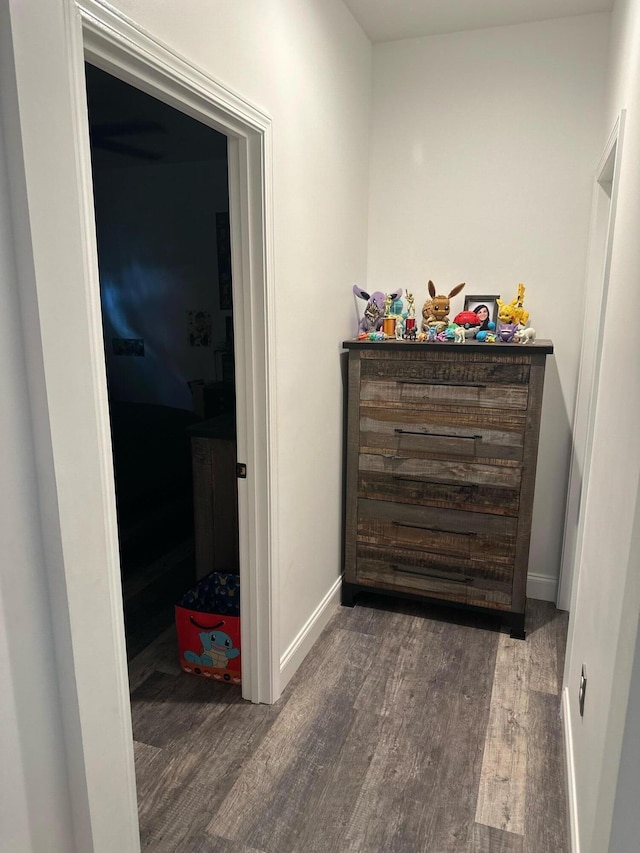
161 199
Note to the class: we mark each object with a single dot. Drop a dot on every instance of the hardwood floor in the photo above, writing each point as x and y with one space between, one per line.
403 732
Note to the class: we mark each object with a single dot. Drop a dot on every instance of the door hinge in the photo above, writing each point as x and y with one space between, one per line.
241 470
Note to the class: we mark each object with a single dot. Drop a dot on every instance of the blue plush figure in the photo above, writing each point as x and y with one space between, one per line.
217 649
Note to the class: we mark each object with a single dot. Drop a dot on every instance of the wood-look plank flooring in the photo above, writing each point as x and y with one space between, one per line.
404 731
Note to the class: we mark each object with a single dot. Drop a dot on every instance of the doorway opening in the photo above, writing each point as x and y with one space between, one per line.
161 200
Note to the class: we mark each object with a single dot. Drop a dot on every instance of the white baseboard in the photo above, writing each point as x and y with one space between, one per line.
311 630
542 587
570 773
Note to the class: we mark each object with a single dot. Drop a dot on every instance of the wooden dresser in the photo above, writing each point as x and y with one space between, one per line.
215 495
441 463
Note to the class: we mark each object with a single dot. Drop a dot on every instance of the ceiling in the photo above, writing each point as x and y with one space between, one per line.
387 20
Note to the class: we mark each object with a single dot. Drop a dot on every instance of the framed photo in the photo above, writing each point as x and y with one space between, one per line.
487 306
223 239
199 328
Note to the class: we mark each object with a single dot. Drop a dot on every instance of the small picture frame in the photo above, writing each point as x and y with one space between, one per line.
477 303
223 238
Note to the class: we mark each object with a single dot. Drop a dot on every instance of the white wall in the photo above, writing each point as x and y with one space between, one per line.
483 149
34 797
604 620
625 829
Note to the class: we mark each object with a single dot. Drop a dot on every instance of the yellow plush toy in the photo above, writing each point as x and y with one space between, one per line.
513 312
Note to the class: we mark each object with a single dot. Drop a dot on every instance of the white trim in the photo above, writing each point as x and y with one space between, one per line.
542 587
570 773
587 386
311 630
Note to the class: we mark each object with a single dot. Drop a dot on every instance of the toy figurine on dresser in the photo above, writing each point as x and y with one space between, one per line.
410 319
374 309
393 315
435 311
513 312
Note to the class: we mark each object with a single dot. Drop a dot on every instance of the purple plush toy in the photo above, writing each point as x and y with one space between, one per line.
374 310
506 331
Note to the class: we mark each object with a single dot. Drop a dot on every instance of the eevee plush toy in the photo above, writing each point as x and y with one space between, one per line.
436 310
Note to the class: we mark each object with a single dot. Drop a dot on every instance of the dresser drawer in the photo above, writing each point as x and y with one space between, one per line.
400 467
456 381
445 393
455 368
411 489
471 536
475 435
398 569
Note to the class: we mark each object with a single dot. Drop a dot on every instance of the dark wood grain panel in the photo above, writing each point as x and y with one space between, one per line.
215 497
455 520
508 420
441 368
404 488
453 533
417 433
353 430
470 581
448 543
450 470
443 393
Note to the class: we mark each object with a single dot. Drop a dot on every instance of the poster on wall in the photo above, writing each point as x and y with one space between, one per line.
223 239
199 328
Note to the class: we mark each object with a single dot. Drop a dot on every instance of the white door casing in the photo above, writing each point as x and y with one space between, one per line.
607 177
57 265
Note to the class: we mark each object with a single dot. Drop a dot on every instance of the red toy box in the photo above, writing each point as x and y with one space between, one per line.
208 627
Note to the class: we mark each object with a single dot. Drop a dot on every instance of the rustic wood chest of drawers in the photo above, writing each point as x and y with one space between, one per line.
441 460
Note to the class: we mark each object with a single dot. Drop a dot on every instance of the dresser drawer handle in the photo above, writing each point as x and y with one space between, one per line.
438 435
407 571
471 486
441 382
433 529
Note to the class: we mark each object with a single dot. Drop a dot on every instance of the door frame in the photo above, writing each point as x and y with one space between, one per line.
52 207
603 217
121 49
